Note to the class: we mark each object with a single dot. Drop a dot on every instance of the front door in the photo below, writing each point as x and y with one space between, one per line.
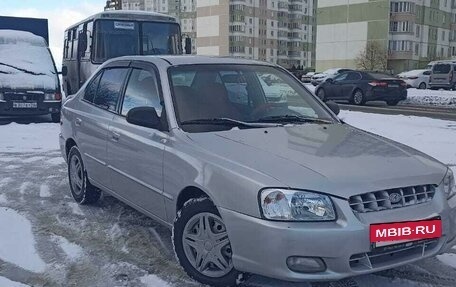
136 153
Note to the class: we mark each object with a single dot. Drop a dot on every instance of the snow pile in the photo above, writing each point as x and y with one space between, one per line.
440 98
29 138
17 244
25 62
6 282
153 281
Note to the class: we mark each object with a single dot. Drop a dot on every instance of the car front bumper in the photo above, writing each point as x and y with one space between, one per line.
43 108
262 247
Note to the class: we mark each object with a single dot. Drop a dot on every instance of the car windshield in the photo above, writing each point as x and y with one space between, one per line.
220 97
441 69
156 38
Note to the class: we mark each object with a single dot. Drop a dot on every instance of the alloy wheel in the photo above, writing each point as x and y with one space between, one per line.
76 175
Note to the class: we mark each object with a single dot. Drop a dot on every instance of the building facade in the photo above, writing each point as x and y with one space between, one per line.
413 32
278 31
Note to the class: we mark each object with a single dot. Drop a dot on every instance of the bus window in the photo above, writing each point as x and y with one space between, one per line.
74 43
160 39
115 38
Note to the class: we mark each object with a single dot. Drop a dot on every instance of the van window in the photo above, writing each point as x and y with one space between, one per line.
142 91
109 88
441 68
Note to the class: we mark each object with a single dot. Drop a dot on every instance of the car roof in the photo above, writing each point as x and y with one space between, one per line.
174 60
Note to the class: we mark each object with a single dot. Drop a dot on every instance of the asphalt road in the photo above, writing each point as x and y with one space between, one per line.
408 110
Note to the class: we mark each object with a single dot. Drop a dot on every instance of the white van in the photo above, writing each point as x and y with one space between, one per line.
443 75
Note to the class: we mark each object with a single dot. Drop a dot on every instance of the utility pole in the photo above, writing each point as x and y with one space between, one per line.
113 5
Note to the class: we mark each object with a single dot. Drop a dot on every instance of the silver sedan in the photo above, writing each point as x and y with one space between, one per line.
249 183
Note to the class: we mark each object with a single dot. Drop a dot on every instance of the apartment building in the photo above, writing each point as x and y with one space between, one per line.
278 31
413 32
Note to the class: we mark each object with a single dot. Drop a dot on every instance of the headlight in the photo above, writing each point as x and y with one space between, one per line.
449 184
296 205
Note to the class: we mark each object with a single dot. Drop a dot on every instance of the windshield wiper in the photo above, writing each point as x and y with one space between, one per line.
228 122
292 119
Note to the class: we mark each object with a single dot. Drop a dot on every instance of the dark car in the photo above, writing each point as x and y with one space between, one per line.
359 87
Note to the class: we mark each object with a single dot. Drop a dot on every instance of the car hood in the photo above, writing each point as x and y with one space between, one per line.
336 159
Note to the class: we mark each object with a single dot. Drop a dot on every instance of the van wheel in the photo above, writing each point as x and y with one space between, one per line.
55 117
82 190
202 245
422 86
358 98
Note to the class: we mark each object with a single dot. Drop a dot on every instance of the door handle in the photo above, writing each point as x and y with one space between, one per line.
115 136
78 122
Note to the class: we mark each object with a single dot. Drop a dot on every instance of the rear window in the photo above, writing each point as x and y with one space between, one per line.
441 69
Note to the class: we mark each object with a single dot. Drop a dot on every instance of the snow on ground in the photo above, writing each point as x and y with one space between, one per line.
17 243
72 251
29 138
440 98
153 281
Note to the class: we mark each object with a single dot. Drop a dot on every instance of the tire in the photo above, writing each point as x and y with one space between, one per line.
358 98
82 190
187 225
422 86
55 117
392 102
321 94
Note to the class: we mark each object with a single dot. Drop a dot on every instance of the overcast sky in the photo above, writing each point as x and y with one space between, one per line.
60 13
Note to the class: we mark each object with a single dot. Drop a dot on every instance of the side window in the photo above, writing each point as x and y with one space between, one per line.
427 73
109 88
341 77
142 91
353 76
91 89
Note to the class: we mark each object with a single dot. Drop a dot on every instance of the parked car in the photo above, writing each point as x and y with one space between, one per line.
307 78
359 87
29 84
252 186
443 75
418 79
331 73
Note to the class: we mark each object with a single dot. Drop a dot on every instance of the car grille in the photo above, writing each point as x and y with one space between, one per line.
392 198
24 96
380 257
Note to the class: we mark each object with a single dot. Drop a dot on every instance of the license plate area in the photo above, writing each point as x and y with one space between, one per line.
25 105
398 233
393 86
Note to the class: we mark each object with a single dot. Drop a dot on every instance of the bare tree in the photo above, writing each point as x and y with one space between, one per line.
374 57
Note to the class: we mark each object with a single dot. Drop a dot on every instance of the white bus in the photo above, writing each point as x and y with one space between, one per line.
112 34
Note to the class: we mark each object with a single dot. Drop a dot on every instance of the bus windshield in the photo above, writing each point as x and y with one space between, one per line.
114 38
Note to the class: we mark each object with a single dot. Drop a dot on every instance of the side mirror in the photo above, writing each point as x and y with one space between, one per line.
64 71
334 107
188 46
330 80
144 117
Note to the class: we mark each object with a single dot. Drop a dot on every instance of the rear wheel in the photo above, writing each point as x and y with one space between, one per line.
422 86
82 190
358 98
55 117
321 94
202 245
392 102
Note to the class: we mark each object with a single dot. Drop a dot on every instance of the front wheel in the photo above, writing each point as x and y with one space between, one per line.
321 94
202 245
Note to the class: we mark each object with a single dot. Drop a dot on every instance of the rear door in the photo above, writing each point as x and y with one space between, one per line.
92 120
349 84
135 153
